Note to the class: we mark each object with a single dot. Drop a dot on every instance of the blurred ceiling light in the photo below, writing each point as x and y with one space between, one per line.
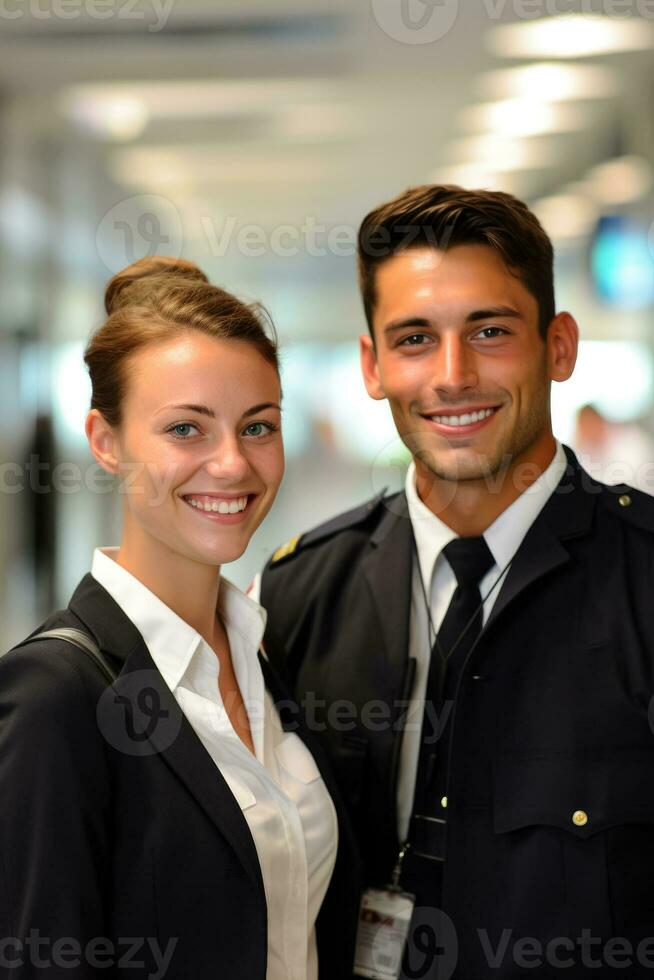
314 122
121 117
566 216
106 107
571 36
550 82
206 165
524 117
503 155
620 181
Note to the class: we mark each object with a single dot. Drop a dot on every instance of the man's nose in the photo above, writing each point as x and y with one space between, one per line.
455 367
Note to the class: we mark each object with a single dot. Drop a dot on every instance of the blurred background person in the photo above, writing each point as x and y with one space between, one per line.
614 452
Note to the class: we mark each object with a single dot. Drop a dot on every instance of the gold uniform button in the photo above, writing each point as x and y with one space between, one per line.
444 802
580 818
624 500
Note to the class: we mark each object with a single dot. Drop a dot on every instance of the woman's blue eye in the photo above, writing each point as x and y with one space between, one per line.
175 429
257 429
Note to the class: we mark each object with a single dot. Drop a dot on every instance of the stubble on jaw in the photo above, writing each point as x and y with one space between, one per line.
480 468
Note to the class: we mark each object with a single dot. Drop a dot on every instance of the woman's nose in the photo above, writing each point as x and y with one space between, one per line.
228 461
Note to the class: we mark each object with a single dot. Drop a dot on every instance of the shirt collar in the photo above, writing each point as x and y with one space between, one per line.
169 639
430 532
505 534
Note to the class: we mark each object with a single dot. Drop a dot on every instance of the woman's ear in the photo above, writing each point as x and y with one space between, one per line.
103 441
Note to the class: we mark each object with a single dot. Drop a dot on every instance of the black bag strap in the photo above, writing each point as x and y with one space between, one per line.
83 642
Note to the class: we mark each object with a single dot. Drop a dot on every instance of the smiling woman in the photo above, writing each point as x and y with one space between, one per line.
179 805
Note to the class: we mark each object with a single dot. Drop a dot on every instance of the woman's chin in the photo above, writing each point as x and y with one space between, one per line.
224 551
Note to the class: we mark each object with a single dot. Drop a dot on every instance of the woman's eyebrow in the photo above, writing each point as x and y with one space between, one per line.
205 410
200 409
260 408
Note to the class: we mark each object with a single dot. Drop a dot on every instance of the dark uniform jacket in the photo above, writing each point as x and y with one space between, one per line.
119 837
550 818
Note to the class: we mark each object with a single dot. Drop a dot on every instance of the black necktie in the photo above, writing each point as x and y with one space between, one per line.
470 559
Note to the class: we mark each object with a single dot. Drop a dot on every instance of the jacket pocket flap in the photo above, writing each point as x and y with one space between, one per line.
581 793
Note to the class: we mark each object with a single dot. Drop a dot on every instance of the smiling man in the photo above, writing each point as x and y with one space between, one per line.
477 652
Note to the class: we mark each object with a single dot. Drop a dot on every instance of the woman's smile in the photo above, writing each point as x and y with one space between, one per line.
222 508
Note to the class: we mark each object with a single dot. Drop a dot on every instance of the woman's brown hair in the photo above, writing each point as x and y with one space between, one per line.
156 299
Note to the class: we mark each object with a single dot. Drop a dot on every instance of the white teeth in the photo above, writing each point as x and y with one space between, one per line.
467 419
220 506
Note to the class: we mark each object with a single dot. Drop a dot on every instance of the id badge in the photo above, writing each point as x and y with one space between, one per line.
384 920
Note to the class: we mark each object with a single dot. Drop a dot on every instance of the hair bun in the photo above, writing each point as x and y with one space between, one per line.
119 292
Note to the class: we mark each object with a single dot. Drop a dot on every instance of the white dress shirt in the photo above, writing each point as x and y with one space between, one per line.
287 807
503 537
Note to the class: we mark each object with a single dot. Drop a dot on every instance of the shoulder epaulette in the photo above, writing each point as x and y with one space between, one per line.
339 523
286 549
632 505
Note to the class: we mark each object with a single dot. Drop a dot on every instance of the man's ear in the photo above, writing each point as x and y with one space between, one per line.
370 367
562 346
103 441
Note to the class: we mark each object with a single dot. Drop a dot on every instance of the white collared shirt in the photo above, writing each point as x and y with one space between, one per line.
279 789
503 537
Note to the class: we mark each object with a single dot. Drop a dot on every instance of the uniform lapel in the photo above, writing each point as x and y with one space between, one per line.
567 514
387 569
185 754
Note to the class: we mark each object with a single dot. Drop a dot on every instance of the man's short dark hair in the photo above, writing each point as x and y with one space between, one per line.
442 216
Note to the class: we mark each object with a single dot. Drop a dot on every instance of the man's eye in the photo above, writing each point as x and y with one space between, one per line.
489 333
415 340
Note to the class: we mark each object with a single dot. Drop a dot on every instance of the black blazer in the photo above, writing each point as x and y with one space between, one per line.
120 841
554 716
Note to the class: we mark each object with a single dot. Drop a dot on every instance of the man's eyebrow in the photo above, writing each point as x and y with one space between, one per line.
423 323
494 311
411 321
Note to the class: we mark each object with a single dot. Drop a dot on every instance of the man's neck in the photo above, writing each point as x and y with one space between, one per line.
470 507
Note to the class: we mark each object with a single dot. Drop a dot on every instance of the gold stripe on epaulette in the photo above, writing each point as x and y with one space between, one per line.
286 549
